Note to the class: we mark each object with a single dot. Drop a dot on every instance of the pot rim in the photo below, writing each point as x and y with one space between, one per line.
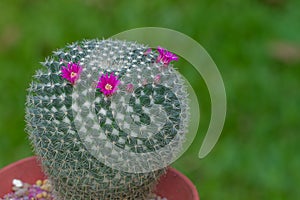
6 173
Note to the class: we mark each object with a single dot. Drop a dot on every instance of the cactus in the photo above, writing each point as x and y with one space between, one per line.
94 107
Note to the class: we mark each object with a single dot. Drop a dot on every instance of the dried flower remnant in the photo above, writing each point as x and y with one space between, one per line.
148 51
129 88
157 79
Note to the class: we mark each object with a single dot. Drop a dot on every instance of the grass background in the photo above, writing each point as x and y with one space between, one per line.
255 44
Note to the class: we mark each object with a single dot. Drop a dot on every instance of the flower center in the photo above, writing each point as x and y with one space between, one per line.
108 86
73 74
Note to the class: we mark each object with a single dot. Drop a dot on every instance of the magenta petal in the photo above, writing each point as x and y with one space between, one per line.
165 56
71 72
105 80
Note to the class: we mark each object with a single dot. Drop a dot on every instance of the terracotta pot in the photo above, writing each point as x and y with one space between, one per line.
173 185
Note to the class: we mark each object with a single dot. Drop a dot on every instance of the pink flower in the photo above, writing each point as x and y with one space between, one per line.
165 56
108 84
71 72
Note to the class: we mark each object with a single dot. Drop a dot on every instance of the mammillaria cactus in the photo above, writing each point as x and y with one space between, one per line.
106 117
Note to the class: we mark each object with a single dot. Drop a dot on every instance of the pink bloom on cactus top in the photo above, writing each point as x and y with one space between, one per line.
165 56
71 72
108 84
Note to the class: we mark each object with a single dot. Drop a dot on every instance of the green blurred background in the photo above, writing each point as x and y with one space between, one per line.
255 44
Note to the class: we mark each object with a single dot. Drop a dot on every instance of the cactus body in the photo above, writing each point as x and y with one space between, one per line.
88 141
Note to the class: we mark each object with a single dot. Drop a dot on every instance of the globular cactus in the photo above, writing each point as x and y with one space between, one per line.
105 118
